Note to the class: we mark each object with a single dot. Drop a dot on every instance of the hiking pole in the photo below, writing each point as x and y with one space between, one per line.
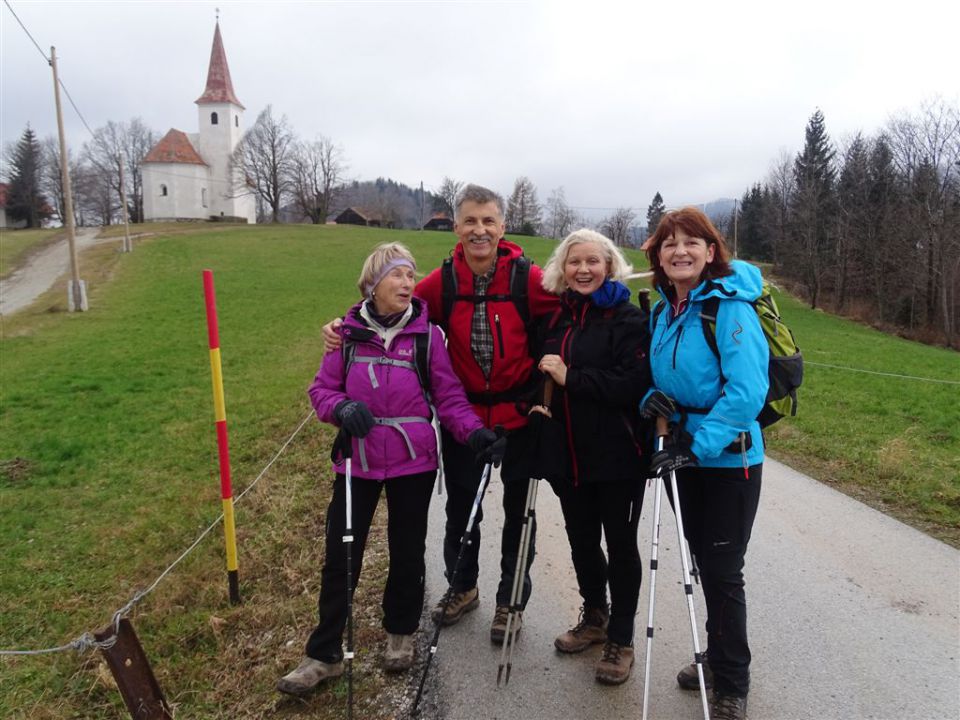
698 657
346 448
509 634
523 553
654 553
464 542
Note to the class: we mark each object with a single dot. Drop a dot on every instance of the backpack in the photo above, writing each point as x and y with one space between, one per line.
421 360
519 277
785 366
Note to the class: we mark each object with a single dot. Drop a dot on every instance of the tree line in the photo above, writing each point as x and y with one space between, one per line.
868 227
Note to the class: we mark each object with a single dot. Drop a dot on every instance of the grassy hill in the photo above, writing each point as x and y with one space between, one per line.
108 462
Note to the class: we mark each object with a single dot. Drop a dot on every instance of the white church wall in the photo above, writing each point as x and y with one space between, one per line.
185 185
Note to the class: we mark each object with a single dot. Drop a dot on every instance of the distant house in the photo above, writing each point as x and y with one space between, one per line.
439 221
5 220
358 216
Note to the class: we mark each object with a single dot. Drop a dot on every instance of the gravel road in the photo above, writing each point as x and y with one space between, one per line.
852 615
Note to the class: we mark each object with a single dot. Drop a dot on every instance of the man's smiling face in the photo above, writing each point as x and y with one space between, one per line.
479 228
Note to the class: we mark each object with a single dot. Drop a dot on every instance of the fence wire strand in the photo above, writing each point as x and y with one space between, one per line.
87 641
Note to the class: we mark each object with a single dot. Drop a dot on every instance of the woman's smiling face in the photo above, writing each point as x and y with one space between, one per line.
585 268
683 259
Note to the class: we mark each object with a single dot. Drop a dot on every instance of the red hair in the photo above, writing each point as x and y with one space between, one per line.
696 224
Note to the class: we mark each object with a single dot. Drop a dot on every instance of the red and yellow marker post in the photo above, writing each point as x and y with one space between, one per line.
220 414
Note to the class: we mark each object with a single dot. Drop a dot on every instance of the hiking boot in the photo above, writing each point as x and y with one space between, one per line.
460 603
688 679
498 628
613 667
728 707
399 653
590 628
308 675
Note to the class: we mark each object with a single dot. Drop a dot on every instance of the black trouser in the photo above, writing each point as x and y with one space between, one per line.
614 508
408 499
719 506
462 478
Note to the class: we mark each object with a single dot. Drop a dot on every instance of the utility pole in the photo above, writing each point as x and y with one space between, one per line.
127 244
421 205
77 290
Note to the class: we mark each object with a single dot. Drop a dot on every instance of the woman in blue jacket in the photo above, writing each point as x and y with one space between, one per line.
716 447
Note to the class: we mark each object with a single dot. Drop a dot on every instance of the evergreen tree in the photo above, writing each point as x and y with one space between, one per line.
852 192
654 212
884 208
813 206
752 237
25 201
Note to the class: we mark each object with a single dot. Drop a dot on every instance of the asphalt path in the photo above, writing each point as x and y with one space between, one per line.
852 615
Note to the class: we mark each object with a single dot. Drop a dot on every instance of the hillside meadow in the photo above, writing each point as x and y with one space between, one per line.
108 463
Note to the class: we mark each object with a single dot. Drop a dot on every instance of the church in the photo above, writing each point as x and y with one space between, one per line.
188 176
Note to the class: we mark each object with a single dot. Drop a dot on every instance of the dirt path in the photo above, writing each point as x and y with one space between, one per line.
42 270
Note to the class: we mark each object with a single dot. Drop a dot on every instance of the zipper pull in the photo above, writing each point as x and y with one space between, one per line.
743 454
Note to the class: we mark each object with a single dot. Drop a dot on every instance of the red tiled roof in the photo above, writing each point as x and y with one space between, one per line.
174 147
219 86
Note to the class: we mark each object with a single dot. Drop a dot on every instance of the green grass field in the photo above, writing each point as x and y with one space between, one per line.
108 462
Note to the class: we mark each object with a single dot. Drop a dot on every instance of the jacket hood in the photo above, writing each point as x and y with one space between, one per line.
355 326
745 283
505 249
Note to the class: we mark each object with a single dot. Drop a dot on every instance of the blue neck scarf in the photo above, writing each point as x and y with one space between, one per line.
610 294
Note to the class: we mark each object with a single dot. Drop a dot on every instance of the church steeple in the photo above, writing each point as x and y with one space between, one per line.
219 86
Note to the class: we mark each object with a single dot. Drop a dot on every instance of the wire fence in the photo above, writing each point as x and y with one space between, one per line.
87 641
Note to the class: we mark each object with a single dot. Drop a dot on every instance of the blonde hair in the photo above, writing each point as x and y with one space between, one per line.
618 267
374 266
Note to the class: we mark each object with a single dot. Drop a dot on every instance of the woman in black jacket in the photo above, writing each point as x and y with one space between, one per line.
595 350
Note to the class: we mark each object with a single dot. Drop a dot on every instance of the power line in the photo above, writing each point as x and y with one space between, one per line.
42 54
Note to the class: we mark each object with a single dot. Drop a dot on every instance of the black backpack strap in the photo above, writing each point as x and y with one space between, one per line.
708 317
657 310
349 351
448 290
421 359
519 287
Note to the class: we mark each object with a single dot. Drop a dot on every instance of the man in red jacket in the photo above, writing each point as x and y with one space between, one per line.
487 341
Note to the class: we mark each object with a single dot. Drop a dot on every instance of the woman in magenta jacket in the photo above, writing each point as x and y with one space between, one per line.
372 390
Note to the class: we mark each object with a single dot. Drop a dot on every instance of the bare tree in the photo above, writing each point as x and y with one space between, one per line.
445 199
119 143
781 187
523 209
617 226
560 216
317 176
51 179
263 160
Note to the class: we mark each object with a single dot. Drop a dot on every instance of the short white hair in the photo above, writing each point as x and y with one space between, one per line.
617 266
378 259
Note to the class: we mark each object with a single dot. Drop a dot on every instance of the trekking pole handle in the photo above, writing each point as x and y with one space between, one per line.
662 427
548 392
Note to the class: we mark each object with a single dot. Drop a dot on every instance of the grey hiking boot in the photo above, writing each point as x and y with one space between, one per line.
460 604
613 667
399 653
308 675
591 628
728 707
498 628
689 680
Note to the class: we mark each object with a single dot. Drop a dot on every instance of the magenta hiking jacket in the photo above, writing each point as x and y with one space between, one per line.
403 442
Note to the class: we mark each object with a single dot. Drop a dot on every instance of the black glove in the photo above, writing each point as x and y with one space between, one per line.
658 404
488 446
354 417
674 456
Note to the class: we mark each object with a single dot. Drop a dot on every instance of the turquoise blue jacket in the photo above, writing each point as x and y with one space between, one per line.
731 391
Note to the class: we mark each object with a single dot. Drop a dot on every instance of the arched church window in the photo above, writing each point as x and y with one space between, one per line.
236 121
214 119
163 190
203 196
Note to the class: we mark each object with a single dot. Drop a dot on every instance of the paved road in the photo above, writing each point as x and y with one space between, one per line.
852 615
31 281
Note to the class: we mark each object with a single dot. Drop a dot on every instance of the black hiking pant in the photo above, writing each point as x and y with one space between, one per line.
408 500
613 508
719 506
462 478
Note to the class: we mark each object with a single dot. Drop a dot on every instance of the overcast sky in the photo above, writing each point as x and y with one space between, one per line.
612 101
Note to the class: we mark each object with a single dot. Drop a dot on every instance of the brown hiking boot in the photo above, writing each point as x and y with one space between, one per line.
689 680
399 653
498 628
728 707
615 664
590 628
460 603
308 675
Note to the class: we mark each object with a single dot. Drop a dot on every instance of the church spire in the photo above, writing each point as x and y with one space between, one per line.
219 86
